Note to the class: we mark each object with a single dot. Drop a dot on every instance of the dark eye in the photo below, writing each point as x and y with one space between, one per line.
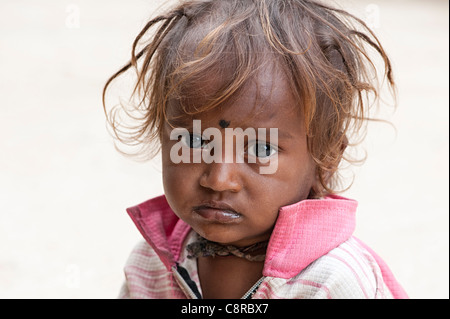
192 140
261 149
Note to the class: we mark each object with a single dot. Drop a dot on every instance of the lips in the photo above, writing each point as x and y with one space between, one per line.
219 212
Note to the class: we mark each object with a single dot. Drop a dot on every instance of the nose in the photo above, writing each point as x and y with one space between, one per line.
222 177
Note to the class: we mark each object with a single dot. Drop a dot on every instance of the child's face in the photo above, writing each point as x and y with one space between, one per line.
232 203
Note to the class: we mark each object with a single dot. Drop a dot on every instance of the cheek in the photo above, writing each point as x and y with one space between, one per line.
180 182
176 177
173 177
292 182
302 178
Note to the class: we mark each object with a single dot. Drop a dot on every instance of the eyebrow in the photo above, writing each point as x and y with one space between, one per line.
182 121
284 134
187 123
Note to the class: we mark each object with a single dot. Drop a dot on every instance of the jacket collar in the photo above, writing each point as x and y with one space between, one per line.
304 231
161 228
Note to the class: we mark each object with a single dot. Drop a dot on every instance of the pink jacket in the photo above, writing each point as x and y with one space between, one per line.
311 254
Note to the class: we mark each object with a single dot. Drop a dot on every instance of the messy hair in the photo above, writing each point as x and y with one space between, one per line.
323 52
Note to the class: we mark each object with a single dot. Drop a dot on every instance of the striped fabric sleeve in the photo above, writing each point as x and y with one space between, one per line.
346 272
146 277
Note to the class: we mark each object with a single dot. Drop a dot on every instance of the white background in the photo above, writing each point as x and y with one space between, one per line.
64 232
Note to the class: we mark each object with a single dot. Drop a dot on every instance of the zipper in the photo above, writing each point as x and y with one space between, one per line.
253 289
183 285
190 293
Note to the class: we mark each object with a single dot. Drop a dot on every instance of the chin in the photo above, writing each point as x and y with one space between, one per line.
220 234
229 236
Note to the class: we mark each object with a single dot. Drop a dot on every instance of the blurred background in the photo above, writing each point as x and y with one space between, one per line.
64 232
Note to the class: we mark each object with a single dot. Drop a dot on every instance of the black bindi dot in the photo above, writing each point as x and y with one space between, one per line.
224 123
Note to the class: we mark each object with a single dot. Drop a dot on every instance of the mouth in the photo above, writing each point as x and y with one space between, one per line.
218 212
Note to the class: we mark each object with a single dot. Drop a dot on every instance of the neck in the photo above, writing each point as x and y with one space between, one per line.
227 277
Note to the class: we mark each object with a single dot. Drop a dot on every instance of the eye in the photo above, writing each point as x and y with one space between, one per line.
193 140
261 149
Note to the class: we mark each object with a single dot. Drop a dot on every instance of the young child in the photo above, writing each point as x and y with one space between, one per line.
248 214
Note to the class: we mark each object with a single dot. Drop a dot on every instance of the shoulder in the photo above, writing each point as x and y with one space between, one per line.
145 274
348 271
143 256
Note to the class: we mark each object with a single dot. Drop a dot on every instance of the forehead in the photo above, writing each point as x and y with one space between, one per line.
221 66
265 97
